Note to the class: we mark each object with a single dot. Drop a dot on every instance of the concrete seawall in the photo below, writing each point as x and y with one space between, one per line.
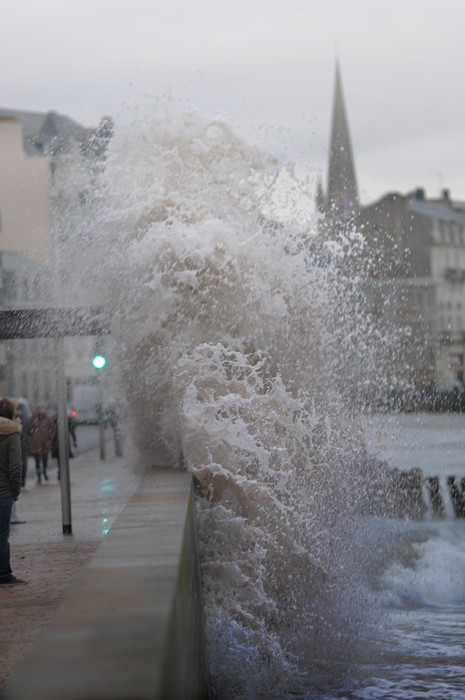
132 627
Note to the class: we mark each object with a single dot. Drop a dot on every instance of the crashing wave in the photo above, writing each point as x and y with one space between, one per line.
232 343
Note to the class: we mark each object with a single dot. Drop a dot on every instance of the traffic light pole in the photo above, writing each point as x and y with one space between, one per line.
101 422
63 436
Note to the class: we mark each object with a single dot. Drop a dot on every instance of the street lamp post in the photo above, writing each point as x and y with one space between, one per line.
63 436
99 363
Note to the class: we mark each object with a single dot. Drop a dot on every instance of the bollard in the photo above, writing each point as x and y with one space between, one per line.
457 496
438 510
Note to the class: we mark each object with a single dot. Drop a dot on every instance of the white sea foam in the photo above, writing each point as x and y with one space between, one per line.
231 348
434 574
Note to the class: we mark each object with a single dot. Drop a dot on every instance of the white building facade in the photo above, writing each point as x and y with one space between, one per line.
48 165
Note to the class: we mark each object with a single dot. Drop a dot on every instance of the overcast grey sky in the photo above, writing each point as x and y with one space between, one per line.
259 60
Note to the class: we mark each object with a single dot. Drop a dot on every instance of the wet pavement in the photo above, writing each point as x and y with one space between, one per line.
49 560
132 624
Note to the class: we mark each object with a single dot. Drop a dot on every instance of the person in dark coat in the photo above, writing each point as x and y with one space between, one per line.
43 432
26 435
10 484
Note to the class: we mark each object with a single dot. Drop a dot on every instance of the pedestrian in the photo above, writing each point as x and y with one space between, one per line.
10 484
43 431
72 432
26 434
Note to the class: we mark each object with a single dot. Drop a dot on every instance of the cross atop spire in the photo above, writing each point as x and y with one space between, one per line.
342 183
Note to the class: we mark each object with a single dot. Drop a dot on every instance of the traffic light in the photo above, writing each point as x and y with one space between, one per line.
99 362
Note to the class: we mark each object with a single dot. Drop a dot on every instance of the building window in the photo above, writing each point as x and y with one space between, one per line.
456 364
451 232
460 230
35 386
46 385
10 290
430 357
24 392
442 230
36 287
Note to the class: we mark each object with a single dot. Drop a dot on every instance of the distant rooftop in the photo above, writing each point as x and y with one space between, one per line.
12 262
31 121
47 132
442 210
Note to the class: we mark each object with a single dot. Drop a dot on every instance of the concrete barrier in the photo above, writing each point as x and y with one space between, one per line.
132 627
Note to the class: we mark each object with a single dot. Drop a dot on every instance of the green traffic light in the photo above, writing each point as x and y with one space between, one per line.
99 362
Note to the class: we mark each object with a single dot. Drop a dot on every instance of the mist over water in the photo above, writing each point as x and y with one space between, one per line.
236 346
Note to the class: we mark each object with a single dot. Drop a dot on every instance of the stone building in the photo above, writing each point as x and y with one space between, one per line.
413 262
419 244
48 165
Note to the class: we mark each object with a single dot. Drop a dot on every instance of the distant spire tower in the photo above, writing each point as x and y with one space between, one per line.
342 183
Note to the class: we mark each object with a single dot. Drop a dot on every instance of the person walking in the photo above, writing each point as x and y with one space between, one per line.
43 431
10 485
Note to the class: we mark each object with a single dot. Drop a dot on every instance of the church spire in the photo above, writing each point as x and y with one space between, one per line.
342 184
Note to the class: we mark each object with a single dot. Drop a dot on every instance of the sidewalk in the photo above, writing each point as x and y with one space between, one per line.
49 560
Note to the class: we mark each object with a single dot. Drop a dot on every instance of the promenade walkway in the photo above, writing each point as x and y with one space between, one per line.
49 560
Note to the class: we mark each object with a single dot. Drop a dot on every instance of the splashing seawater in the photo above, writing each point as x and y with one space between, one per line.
230 340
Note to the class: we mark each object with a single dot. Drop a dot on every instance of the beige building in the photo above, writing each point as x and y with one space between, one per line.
24 204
